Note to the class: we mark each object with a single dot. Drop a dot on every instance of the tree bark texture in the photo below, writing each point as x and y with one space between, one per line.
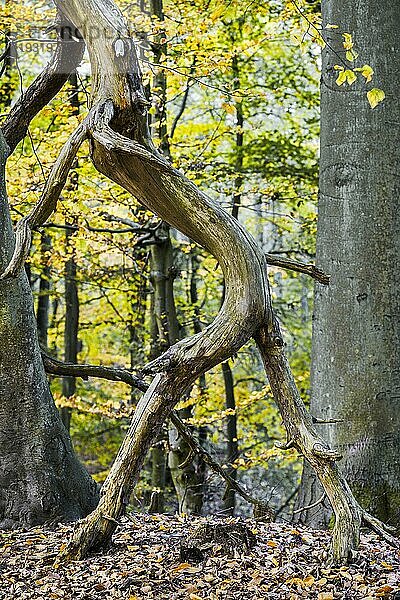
356 330
40 477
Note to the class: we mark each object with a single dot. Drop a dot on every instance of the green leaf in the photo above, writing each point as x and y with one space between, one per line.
375 96
366 71
341 78
351 76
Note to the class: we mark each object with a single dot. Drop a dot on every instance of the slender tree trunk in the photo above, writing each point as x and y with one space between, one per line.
40 477
43 303
159 343
232 446
71 297
356 329
71 327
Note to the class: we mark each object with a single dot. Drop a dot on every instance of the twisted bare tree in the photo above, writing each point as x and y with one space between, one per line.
121 148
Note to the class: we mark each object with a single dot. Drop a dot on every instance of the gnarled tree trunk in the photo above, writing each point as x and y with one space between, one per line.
121 148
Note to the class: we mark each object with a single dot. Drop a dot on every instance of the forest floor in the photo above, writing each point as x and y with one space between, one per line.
146 562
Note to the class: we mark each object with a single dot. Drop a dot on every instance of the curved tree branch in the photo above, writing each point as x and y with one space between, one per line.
47 203
121 149
66 58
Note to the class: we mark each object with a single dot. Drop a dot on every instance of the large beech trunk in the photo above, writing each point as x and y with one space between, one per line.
121 148
40 477
356 328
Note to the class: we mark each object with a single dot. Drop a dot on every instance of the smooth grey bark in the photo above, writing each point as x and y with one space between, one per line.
160 254
40 477
356 329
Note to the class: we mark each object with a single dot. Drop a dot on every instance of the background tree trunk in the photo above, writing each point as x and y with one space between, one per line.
43 303
71 297
232 446
70 328
40 477
356 333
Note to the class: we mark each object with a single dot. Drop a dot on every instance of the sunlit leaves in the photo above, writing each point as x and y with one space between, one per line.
375 96
347 41
346 76
366 71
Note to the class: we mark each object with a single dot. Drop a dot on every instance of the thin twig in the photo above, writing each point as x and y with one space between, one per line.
313 505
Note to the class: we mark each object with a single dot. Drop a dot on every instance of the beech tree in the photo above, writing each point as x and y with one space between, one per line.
40 477
355 361
121 148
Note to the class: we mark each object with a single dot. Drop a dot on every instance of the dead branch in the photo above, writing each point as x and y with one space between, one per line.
313 505
66 58
381 529
56 367
48 201
294 265
216 467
